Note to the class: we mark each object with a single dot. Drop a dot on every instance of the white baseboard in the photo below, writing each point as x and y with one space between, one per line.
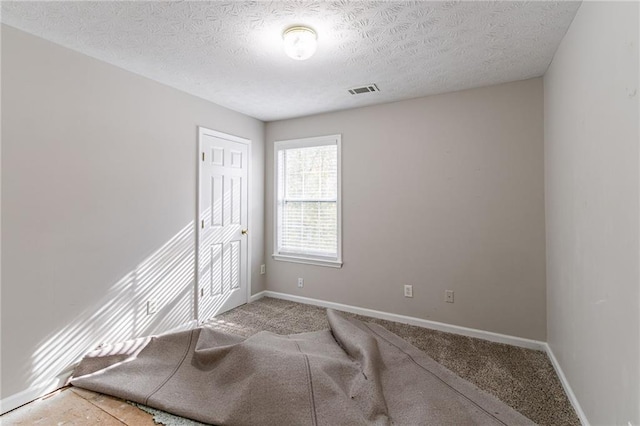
34 392
182 327
433 325
566 386
257 296
18 399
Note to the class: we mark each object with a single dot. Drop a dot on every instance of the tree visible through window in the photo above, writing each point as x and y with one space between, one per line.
308 199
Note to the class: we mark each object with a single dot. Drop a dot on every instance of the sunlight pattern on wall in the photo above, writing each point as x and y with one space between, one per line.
166 276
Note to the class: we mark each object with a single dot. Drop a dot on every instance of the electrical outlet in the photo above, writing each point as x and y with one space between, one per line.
263 269
448 296
152 307
300 282
408 291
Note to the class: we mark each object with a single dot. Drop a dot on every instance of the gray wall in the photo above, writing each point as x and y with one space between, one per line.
442 192
98 203
591 171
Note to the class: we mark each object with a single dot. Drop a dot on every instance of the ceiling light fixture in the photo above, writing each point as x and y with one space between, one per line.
300 43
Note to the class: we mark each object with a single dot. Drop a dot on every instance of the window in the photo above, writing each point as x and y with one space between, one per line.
307 204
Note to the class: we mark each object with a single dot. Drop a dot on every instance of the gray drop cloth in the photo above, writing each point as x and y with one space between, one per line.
353 374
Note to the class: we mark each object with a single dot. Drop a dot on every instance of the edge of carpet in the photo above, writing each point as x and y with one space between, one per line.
167 419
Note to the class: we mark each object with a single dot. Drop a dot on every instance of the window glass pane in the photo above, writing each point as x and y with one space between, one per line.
309 227
311 173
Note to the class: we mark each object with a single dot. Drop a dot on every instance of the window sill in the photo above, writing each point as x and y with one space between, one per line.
308 261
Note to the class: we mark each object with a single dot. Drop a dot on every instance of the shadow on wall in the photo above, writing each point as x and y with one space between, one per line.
166 277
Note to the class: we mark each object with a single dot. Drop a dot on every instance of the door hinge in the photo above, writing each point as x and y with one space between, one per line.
202 223
203 156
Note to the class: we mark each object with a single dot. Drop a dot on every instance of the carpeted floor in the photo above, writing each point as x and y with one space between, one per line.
522 378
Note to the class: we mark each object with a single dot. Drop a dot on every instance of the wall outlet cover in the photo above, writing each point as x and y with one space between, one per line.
152 307
408 291
448 296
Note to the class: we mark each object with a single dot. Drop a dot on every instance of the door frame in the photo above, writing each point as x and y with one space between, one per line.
215 133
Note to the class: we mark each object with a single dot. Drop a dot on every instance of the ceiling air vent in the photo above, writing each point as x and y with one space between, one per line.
364 89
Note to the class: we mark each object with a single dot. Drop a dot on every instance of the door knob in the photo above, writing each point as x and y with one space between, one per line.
245 231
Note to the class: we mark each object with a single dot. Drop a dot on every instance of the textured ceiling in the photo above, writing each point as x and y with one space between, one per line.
231 52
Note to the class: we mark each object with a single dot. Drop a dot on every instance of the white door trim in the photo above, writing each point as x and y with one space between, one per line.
206 131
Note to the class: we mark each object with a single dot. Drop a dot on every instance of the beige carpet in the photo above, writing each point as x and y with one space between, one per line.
522 378
353 373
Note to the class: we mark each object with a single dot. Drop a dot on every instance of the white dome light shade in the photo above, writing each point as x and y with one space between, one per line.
300 42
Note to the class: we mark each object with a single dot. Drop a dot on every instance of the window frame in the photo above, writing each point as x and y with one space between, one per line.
298 257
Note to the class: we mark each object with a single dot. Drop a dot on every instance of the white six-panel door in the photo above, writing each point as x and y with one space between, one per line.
222 243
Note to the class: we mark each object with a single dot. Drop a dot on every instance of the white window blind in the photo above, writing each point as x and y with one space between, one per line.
308 200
